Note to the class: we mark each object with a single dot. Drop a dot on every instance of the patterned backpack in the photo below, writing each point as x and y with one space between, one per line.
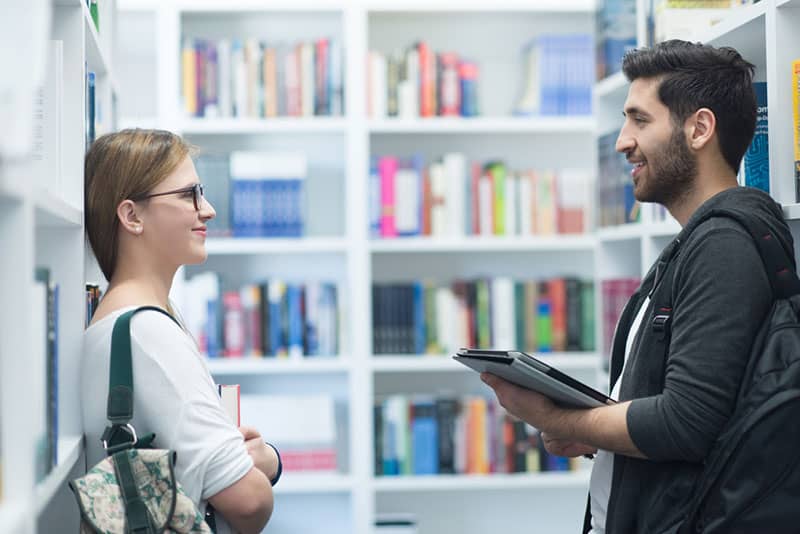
132 490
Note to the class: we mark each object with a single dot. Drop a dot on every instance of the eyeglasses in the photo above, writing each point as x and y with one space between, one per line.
196 191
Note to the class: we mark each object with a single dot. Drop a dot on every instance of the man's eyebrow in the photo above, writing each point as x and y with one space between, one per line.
635 111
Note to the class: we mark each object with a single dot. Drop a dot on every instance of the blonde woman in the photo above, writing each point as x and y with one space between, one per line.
145 217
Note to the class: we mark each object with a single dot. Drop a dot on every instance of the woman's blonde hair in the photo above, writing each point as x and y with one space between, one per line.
120 166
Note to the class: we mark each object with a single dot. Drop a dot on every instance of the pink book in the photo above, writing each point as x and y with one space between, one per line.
387 167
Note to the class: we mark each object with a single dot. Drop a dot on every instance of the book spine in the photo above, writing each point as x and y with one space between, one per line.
796 124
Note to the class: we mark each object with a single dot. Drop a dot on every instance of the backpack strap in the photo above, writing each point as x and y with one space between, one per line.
121 435
779 266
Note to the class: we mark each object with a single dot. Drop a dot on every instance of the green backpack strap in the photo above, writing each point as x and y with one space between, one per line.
120 435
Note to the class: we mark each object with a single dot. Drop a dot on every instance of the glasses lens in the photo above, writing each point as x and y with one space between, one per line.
197 195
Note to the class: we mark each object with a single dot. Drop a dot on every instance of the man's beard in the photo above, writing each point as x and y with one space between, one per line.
671 172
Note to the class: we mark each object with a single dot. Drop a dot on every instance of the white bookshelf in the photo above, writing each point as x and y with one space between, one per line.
42 226
349 501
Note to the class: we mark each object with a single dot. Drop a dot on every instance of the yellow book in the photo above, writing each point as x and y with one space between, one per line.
796 124
189 65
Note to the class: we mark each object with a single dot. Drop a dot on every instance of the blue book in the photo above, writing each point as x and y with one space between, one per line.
294 297
424 440
756 159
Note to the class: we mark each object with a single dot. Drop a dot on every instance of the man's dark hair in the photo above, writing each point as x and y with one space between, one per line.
695 76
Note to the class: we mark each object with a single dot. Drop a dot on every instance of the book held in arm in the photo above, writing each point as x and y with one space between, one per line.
229 395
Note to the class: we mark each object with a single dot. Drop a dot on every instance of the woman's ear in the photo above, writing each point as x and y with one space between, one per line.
129 219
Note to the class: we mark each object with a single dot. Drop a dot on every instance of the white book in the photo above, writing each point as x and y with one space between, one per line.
239 78
455 165
224 79
229 399
335 73
436 174
408 187
502 316
48 120
307 79
377 85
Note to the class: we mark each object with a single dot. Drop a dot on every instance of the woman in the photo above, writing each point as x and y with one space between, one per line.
145 217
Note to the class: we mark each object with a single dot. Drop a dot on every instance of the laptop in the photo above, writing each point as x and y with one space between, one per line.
534 374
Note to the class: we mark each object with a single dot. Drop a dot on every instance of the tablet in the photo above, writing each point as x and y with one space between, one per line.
532 373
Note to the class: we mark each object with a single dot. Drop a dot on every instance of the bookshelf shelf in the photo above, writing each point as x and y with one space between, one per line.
234 126
69 451
231 246
791 211
484 244
787 3
547 6
270 366
744 28
308 483
53 211
622 232
611 85
436 483
429 363
482 125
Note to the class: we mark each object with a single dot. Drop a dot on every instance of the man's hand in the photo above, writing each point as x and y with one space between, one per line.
263 455
530 406
565 447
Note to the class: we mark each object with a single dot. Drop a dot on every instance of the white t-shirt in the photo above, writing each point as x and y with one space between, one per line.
603 468
174 397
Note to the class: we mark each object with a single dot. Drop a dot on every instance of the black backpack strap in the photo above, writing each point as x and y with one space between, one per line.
779 265
120 434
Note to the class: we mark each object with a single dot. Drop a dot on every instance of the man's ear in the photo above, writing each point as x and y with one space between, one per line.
129 219
702 126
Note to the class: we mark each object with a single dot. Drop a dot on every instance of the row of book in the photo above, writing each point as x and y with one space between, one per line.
450 196
272 318
560 75
421 83
539 316
424 435
255 79
615 293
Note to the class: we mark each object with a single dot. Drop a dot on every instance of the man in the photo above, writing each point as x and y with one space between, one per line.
689 118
